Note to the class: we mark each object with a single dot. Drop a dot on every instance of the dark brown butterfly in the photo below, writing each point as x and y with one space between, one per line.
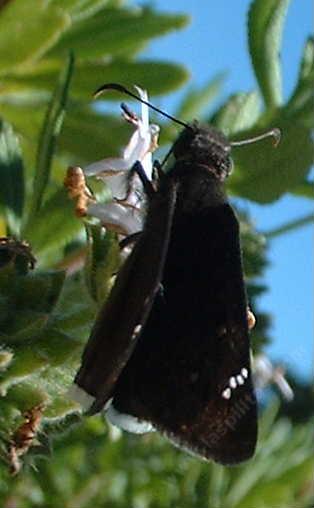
170 349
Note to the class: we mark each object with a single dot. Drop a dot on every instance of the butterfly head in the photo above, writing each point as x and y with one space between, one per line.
204 145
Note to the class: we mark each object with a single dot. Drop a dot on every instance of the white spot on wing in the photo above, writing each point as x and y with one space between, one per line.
240 379
245 373
232 382
226 394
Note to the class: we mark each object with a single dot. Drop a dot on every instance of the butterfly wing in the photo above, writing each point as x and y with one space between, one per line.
120 321
190 374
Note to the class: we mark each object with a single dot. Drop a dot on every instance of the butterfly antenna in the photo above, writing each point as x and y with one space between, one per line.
273 133
122 89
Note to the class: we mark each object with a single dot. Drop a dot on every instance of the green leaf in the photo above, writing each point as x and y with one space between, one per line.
75 310
24 396
156 77
240 112
54 226
51 129
39 291
304 91
57 347
275 171
32 323
86 8
115 31
304 189
196 102
106 135
11 177
103 261
52 349
70 5
28 30
290 226
25 362
265 24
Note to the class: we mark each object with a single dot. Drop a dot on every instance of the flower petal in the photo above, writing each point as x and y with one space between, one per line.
145 109
118 217
106 165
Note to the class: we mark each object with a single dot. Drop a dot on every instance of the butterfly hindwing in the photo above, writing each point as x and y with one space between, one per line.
190 373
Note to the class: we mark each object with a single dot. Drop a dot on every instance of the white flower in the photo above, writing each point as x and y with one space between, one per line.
266 373
124 213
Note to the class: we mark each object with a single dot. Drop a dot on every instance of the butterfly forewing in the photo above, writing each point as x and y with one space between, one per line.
120 322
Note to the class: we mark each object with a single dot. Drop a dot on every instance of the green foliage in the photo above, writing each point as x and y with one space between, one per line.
105 37
12 177
274 172
46 314
265 23
96 465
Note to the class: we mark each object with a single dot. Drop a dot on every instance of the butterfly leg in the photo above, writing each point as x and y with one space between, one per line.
128 240
158 172
147 184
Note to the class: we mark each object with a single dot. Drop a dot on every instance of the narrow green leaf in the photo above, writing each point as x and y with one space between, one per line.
106 135
265 24
52 349
240 112
25 361
54 226
116 31
28 30
25 395
290 226
103 261
11 178
196 102
155 76
304 90
50 131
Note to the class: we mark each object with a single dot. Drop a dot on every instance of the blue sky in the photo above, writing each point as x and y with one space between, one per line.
216 41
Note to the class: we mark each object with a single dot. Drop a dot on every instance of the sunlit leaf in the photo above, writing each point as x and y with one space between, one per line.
266 177
116 31
304 189
240 112
290 226
265 24
25 37
303 95
51 129
155 76
54 226
106 135
196 101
